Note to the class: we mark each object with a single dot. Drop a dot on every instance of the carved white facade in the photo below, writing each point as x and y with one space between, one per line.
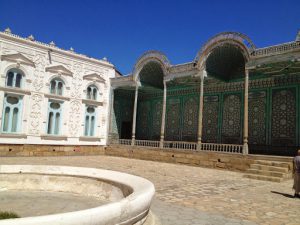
40 64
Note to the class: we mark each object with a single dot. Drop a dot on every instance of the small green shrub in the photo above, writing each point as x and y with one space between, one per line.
8 215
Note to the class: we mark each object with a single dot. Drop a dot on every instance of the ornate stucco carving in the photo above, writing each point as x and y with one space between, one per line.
39 71
76 81
35 113
75 117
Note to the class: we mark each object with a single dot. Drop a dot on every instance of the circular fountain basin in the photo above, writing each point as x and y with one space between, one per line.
97 196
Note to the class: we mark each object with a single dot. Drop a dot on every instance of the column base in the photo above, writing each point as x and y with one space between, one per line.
161 142
199 145
245 149
132 141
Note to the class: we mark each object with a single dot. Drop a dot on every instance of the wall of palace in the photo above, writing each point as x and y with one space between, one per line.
273 114
231 93
52 96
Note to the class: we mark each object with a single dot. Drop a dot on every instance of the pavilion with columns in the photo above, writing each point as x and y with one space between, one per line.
234 97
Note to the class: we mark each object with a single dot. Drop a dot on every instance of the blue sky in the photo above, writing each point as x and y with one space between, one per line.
123 30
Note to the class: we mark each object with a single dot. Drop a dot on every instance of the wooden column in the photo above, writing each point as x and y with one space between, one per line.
110 117
163 117
245 133
200 115
134 114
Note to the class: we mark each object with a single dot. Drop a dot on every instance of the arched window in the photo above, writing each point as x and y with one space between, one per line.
56 86
92 92
14 78
54 118
11 114
90 121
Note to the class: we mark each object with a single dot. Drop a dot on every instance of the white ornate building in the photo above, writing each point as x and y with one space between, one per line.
52 96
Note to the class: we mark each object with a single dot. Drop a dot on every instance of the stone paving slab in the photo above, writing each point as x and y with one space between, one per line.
197 191
171 214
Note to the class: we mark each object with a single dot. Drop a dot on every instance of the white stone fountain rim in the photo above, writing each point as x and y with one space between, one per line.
128 210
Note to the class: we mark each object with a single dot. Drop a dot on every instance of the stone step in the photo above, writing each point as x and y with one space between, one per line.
262 177
267 173
269 168
272 163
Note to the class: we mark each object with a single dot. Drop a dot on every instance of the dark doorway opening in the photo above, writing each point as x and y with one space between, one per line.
126 130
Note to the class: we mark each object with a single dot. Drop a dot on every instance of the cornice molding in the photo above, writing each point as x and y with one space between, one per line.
92 102
277 49
17 58
57 97
59 69
15 91
47 47
13 135
94 77
126 81
92 139
54 137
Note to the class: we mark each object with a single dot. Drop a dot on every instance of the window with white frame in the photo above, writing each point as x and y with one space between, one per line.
11 118
56 86
90 121
92 92
54 118
14 78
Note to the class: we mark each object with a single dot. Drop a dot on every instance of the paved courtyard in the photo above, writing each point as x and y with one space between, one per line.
188 195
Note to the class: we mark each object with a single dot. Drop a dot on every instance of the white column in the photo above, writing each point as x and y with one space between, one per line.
245 136
163 117
134 114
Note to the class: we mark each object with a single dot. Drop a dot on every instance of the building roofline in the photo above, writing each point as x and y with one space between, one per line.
56 49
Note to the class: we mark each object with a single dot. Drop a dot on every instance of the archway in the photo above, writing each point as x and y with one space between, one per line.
150 100
225 62
224 58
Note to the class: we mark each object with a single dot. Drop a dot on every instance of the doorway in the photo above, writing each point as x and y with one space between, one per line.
126 129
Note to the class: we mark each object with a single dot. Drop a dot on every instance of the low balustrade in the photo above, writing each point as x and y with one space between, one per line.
231 148
147 143
180 145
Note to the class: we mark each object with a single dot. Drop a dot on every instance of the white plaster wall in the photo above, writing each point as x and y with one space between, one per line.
37 82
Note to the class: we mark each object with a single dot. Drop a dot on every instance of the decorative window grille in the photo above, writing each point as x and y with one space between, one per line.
54 118
56 87
14 78
11 114
90 121
92 92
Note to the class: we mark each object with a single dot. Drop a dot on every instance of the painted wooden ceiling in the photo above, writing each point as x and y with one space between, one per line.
226 62
152 75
